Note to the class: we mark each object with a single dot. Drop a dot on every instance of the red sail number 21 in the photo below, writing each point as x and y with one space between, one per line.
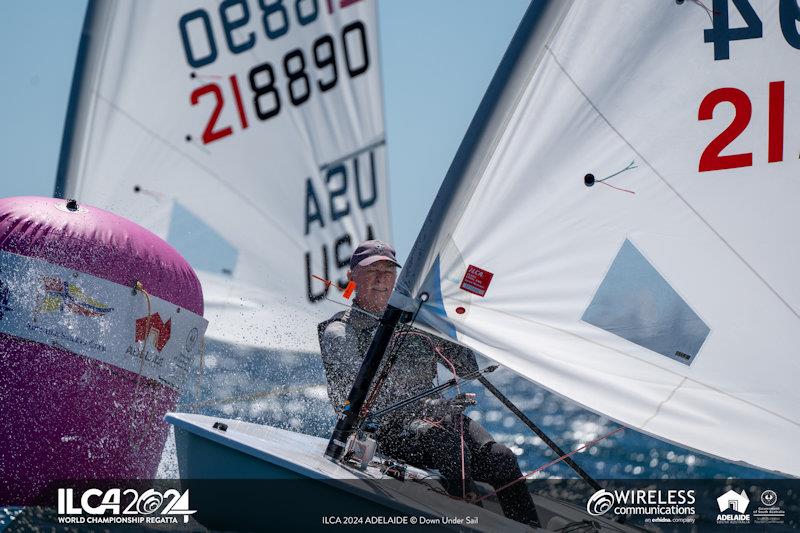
743 110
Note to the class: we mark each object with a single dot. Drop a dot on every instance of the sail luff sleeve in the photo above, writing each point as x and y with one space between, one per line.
77 116
539 25
72 104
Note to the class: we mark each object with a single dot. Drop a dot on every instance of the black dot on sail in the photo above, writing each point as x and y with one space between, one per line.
188 138
136 188
193 75
588 179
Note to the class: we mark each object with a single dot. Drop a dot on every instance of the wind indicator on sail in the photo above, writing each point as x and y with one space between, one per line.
347 291
589 180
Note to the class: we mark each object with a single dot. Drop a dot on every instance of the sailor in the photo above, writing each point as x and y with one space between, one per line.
428 433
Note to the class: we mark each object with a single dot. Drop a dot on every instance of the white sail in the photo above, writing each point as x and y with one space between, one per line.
666 296
249 134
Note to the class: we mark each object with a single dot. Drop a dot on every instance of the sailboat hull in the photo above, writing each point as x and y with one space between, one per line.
243 475
289 470
208 468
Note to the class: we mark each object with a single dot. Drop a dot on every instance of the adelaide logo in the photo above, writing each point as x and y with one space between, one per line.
733 508
153 326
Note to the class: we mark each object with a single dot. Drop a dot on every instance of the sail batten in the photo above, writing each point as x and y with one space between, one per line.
614 251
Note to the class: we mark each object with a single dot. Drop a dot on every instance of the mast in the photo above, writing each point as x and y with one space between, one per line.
346 423
539 23
79 77
522 58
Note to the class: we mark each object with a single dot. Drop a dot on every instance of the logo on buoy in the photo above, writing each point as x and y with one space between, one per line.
160 330
191 340
60 295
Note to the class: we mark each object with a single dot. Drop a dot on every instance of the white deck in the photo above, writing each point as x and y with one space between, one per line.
304 455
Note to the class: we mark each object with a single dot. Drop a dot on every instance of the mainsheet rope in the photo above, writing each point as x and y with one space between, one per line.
546 465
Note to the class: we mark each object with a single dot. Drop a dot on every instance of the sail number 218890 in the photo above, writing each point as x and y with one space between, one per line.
292 78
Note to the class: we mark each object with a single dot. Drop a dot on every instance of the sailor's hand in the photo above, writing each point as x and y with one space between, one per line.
438 407
435 407
463 400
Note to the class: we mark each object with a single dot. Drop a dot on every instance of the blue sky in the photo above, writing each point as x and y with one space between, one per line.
438 57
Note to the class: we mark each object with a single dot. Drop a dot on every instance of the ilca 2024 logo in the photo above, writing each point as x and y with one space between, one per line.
118 506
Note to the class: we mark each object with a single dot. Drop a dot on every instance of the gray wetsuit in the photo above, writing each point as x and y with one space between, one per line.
344 340
428 433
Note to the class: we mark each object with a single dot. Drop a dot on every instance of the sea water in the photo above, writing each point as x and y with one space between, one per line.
288 390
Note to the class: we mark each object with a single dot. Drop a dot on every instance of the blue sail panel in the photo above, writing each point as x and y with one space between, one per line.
201 245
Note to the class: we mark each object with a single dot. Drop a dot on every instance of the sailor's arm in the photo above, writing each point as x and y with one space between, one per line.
341 361
460 357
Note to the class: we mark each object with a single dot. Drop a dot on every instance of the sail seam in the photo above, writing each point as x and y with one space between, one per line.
643 361
207 170
661 404
674 191
354 153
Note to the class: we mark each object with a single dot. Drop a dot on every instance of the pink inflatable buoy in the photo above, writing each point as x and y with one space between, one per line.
100 322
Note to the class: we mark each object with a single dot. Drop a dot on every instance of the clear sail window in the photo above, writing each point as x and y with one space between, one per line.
636 303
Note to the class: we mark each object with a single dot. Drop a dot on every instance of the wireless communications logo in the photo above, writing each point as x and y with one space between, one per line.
118 506
600 502
657 505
